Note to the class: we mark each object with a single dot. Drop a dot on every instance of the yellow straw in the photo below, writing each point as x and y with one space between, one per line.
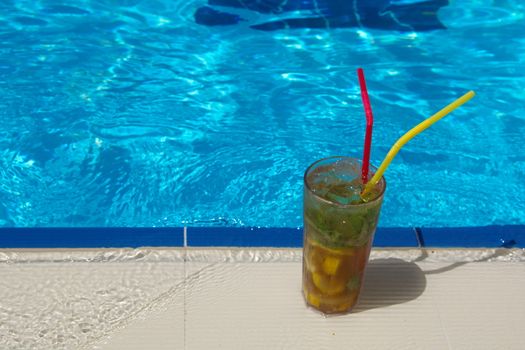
409 135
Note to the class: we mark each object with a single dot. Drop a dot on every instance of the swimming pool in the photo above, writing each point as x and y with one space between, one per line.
131 114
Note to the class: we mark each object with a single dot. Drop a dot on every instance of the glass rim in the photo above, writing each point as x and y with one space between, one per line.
306 184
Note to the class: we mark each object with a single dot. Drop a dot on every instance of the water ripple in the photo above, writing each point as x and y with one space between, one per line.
131 114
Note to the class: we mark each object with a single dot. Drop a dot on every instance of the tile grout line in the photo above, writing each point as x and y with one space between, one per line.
185 276
419 237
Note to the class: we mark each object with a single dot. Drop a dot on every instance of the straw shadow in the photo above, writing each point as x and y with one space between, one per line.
390 282
501 252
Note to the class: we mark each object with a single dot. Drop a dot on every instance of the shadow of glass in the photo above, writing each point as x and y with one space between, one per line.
390 282
394 281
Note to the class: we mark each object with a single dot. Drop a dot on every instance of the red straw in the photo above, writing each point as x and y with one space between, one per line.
369 124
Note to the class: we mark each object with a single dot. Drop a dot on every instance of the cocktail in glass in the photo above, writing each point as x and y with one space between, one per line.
339 227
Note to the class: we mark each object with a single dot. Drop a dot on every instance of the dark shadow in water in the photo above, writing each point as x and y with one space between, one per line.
383 14
390 282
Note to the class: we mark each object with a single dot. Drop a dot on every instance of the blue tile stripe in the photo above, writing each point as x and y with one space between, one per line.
507 236
396 237
91 237
244 237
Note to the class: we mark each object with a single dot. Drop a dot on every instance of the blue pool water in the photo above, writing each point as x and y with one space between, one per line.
129 113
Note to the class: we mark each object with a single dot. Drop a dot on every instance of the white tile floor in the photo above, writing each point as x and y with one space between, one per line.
250 299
